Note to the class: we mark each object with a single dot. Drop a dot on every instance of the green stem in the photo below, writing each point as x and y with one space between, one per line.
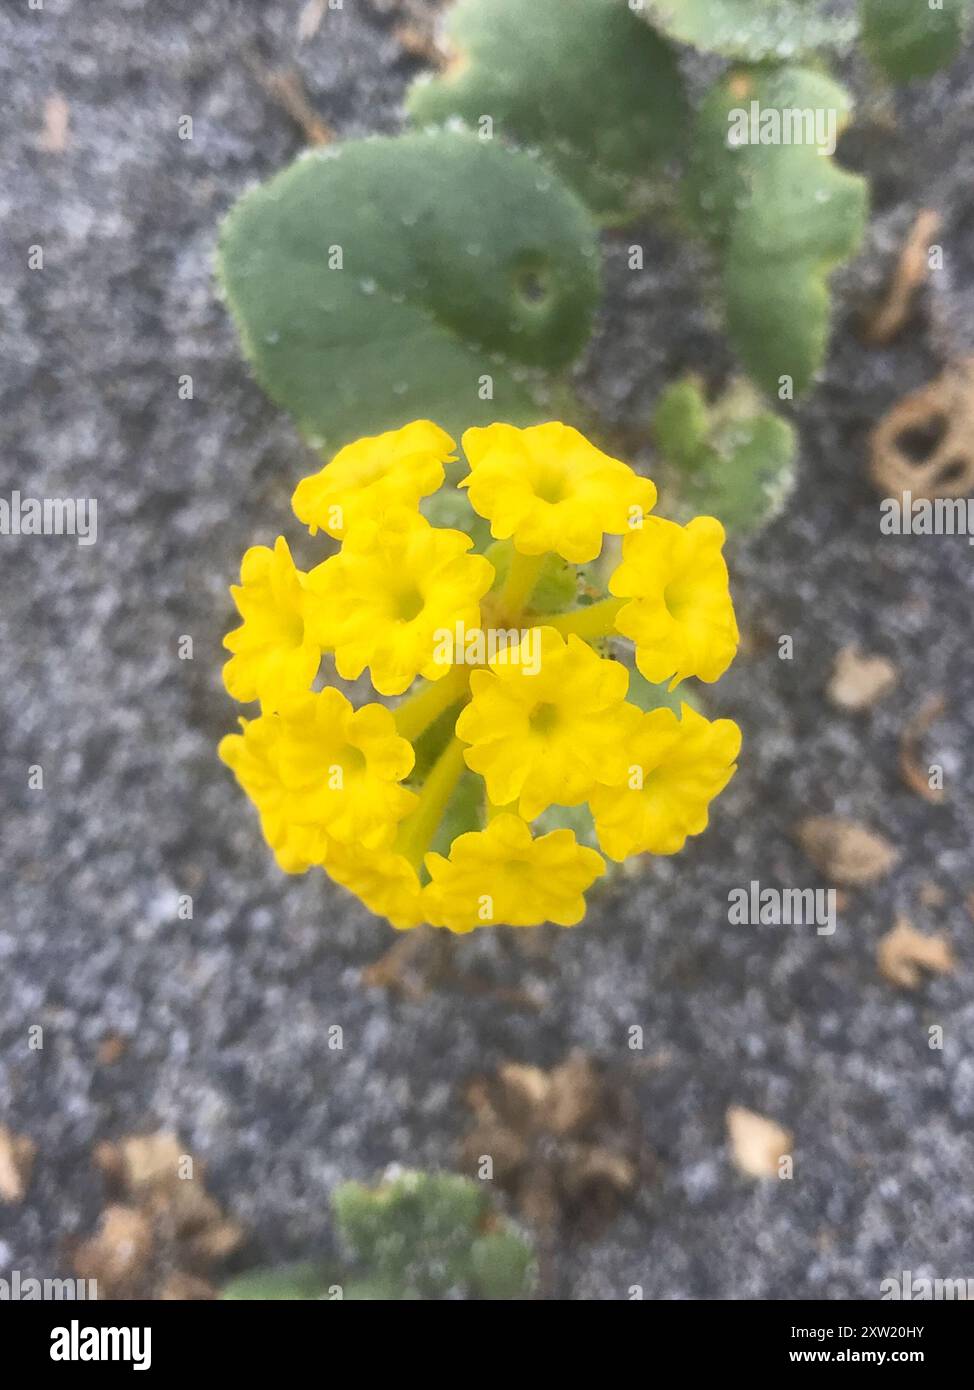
519 585
419 711
598 620
418 830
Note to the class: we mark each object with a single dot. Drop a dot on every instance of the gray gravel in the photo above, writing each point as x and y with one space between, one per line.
227 1015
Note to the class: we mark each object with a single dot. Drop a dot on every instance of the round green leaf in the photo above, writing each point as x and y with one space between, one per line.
907 38
752 29
289 1282
585 81
781 211
432 276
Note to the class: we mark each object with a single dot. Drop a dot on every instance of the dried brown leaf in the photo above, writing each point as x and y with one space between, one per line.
757 1144
858 681
914 774
925 444
846 851
911 273
903 954
931 894
151 1163
285 87
309 20
111 1049
563 1142
185 1288
55 136
17 1154
118 1254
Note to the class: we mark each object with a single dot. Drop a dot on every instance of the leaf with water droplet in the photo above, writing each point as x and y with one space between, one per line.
782 215
584 81
753 29
403 324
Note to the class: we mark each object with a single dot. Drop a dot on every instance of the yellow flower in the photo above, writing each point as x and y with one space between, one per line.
319 770
543 718
681 618
551 737
364 478
501 875
252 757
677 767
550 489
272 654
383 601
385 882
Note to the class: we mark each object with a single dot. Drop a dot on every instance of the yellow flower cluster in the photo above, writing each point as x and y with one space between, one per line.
445 809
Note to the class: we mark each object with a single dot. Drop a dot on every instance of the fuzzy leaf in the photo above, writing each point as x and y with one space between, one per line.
906 38
556 588
740 468
752 29
502 1266
465 811
783 215
647 697
460 258
595 89
289 1282
413 1234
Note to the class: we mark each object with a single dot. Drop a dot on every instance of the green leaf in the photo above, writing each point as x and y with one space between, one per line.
502 1266
739 467
381 281
647 697
300 1281
752 29
450 507
577 819
906 38
412 1234
585 81
557 584
783 214
464 812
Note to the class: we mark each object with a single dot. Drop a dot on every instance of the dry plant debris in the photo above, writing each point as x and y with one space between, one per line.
161 1235
915 775
925 444
424 959
903 954
847 852
757 1144
931 894
911 273
111 1049
416 27
563 1143
285 87
17 1154
859 681
55 136
309 20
